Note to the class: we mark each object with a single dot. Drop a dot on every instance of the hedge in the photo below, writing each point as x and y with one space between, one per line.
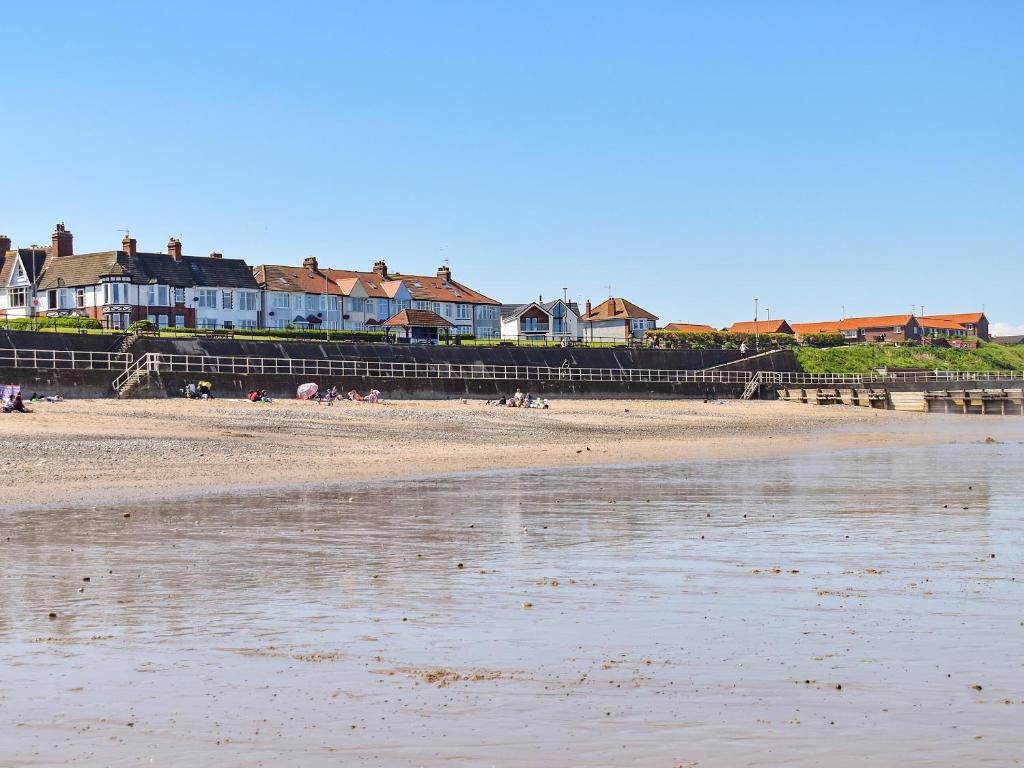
141 325
30 323
718 340
823 340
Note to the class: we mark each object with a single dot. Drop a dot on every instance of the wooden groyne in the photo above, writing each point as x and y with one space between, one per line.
994 401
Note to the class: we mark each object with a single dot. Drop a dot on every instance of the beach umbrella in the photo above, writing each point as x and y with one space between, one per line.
306 391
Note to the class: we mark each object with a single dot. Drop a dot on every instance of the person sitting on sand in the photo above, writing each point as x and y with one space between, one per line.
355 396
19 405
253 396
374 396
264 397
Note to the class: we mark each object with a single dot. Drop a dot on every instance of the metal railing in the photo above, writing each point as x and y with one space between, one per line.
66 359
201 364
839 379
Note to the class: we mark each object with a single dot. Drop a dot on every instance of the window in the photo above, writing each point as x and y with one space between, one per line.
486 312
179 321
18 296
422 305
447 310
462 312
436 308
402 304
227 299
79 297
358 305
179 295
247 301
163 321
207 298
152 319
208 322
115 320
897 329
113 293
250 324
281 301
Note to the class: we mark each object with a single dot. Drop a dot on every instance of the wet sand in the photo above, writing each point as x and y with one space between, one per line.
108 451
827 608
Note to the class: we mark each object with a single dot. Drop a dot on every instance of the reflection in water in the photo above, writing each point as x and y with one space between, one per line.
799 611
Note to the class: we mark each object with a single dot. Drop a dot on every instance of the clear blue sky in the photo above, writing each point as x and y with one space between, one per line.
691 155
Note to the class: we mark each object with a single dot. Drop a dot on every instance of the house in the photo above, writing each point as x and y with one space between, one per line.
935 327
616 319
1010 341
120 287
761 326
803 329
19 274
548 321
895 328
975 323
419 325
307 297
689 328
470 312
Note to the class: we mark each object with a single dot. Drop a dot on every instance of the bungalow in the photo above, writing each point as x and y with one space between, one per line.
548 321
761 326
975 323
616 319
935 327
418 326
120 287
689 328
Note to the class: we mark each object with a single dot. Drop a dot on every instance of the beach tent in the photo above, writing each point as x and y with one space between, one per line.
306 391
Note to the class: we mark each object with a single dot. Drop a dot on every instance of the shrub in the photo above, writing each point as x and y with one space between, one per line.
30 324
719 340
141 325
823 340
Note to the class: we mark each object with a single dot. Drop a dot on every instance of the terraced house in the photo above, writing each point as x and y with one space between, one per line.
119 287
365 300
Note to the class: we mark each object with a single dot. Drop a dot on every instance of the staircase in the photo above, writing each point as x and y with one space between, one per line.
753 387
126 383
124 344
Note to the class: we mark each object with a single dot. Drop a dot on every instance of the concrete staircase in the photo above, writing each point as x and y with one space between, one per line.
126 383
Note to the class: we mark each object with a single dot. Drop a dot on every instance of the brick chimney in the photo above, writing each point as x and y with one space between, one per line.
129 245
380 269
216 255
444 273
310 262
63 241
587 305
174 248
5 244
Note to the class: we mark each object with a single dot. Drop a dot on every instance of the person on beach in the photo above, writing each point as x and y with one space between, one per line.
743 349
374 396
19 405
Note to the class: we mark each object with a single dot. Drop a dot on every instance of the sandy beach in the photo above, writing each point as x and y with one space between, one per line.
103 451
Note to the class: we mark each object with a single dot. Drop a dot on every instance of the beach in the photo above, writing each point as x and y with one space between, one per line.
105 451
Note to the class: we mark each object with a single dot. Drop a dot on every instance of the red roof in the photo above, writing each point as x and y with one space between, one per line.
964 317
421 318
689 328
940 322
881 321
273 277
617 309
826 326
763 326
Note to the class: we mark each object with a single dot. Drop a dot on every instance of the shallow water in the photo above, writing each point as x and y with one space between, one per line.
830 610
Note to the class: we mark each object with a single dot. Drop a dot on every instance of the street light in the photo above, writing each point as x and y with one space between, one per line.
757 336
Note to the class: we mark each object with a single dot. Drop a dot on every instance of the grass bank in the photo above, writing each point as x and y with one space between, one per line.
865 358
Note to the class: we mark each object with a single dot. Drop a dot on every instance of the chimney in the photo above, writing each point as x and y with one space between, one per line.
443 273
587 313
216 255
380 269
5 244
129 245
174 248
310 263
63 241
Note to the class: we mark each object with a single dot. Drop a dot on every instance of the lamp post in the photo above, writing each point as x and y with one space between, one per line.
757 335
327 306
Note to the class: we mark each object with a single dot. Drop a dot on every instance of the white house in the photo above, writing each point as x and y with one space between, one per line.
170 289
616 320
550 321
19 275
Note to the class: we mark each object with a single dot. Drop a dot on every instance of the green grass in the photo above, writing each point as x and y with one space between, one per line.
865 358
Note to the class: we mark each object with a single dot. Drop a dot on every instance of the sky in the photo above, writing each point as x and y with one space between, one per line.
865 157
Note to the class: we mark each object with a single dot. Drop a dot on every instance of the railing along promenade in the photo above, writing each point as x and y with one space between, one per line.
200 364
65 359
895 377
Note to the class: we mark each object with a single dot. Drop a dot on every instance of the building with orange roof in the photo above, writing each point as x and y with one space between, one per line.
689 328
827 326
616 319
761 326
975 323
894 328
